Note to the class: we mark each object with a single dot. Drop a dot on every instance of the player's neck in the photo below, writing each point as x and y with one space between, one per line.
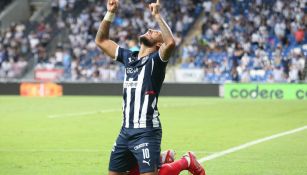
144 51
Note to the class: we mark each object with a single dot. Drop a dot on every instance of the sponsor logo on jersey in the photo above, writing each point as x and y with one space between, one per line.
131 70
130 84
142 145
147 162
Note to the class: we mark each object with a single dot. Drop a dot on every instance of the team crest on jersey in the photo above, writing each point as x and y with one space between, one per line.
130 59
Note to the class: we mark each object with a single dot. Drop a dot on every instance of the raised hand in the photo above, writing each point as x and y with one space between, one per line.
169 44
155 8
112 5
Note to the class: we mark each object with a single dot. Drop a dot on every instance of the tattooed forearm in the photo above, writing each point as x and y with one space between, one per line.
165 29
103 31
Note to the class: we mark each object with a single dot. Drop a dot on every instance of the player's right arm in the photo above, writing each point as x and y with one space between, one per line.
102 40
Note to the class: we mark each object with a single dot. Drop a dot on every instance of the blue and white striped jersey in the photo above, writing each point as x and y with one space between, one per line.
141 88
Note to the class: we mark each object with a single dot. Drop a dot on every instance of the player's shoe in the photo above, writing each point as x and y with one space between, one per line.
167 156
194 166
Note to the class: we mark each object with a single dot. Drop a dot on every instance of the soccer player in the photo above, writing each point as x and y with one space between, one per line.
139 140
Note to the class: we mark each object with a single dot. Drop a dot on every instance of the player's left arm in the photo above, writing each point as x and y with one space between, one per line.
169 44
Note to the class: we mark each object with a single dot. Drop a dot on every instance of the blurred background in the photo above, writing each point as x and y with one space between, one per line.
240 65
218 41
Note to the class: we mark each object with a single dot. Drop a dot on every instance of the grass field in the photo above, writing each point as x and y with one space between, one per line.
74 135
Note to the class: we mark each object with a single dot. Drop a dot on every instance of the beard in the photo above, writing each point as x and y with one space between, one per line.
146 41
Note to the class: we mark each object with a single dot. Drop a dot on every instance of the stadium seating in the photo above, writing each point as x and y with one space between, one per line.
251 41
14 47
4 3
83 61
244 41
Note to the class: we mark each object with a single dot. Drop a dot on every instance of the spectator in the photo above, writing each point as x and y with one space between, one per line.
13 48
300 35
258 38
82 59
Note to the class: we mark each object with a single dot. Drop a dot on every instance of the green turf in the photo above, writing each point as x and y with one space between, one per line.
33 143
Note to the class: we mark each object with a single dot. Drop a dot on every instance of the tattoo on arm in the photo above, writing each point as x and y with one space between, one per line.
103 31
165 29
169 42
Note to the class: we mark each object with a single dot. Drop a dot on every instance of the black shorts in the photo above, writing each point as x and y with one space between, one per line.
136 146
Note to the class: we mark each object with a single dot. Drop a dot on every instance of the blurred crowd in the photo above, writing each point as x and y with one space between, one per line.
241 41
245 41
4 3
14 46
80 57
18 46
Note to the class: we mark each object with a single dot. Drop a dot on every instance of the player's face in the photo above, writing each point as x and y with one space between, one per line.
151 38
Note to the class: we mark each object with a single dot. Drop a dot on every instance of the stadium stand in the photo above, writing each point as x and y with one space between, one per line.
251 41
241 41
19 45
4 3
14 47
79 56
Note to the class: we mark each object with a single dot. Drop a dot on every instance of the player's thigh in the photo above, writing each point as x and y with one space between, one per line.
146 151
121 159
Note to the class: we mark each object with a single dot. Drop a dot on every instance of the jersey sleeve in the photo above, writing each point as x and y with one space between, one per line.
122 55
158 60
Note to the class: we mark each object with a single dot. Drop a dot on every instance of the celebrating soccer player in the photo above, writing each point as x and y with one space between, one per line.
139 141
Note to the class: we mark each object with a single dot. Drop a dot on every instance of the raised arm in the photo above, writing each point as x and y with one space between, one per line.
169 42
102 38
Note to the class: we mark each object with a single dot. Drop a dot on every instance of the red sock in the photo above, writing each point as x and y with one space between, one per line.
174 168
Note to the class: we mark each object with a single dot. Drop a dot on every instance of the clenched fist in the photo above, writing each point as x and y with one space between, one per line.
155 8
112 5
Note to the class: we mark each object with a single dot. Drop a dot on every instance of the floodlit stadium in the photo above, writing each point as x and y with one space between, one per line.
75 73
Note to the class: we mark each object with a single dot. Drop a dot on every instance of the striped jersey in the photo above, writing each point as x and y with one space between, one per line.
141 87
